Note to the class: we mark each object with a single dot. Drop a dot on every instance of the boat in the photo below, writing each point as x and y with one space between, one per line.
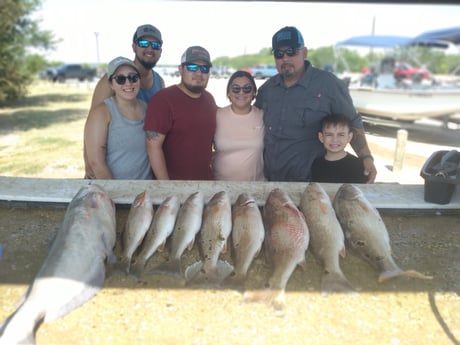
380 95
406 104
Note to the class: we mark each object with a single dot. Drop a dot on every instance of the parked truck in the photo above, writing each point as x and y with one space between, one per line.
73 71
263 71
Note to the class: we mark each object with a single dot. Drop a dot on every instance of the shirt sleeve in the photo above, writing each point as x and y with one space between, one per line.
158 117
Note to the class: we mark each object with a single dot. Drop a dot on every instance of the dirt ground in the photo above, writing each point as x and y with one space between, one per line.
160 310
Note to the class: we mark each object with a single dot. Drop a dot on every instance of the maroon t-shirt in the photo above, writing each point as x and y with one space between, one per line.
189 125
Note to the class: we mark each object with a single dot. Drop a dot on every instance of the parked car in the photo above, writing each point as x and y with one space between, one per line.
263 71
74 71
403 70
48 73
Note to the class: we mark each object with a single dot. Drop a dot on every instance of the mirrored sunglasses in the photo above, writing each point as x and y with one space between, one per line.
279 53
146 43
193 67
121 79
235 88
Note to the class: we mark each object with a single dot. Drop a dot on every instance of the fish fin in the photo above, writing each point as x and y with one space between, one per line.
303 264
342 252
273 297
256 254
323 207
364 206
190 245
140 199
197 276
235 280
224 248
398 273
162 246
335 282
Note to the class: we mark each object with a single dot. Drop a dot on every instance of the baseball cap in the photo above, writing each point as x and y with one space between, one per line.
196 53
147 30
117 62
288 36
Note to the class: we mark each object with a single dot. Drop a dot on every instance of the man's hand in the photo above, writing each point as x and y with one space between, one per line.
369 169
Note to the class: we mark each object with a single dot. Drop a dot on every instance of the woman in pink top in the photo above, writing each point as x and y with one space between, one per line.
238 140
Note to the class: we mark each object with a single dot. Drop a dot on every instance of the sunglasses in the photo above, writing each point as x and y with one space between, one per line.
193 67
235 88
121 79
279 53
146 43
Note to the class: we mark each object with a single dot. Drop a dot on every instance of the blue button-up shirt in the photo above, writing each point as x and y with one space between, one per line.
292 118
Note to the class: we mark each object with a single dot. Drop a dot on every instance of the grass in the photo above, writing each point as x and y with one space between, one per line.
42 134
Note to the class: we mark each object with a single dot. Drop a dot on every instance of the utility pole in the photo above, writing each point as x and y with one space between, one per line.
96 34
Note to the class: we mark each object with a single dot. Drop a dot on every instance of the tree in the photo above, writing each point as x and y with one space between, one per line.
18 35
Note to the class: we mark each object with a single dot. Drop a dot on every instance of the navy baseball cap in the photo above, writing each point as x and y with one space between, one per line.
288 36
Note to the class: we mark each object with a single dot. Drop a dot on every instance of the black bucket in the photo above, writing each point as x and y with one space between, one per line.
441 173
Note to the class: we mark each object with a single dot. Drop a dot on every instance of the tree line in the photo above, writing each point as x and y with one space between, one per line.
23 45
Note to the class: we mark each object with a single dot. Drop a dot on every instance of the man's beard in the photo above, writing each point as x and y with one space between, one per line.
194 88
147 64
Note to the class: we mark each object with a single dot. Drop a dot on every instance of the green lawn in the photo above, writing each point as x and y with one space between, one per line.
42 134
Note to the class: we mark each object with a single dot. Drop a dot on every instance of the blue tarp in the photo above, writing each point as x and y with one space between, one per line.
376 41
435 38
438 38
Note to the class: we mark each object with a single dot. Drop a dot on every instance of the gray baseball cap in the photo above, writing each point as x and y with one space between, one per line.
147 30
196 53
117 62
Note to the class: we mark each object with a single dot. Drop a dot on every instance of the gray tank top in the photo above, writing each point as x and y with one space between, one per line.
126 154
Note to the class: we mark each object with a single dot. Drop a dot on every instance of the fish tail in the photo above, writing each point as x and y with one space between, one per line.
137 268
273 297
235 280
197 275
122 266
335 282
20 327
398 273
171 267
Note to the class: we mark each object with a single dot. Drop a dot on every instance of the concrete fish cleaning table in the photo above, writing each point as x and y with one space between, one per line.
386 197
161 310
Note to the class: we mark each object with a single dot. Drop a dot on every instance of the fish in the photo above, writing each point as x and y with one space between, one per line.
247 238
286 241
140 217
188 224
160 229
214 232
327 242
74 269
366 233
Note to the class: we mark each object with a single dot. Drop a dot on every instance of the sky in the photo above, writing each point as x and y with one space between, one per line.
96 31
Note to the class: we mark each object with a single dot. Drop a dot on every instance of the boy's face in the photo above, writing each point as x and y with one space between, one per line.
335 137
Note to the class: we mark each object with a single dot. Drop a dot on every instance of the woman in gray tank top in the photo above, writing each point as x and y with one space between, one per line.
114 140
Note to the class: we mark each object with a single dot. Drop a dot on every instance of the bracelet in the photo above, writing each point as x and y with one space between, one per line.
363 157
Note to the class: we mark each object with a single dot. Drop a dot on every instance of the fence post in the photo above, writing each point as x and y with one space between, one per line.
401 140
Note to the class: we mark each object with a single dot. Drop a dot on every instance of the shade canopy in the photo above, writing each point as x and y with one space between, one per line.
441 38
380 41
438 38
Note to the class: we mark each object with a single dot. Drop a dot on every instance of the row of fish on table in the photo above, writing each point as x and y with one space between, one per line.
75 267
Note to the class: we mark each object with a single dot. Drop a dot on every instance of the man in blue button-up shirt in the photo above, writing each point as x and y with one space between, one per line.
294 101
